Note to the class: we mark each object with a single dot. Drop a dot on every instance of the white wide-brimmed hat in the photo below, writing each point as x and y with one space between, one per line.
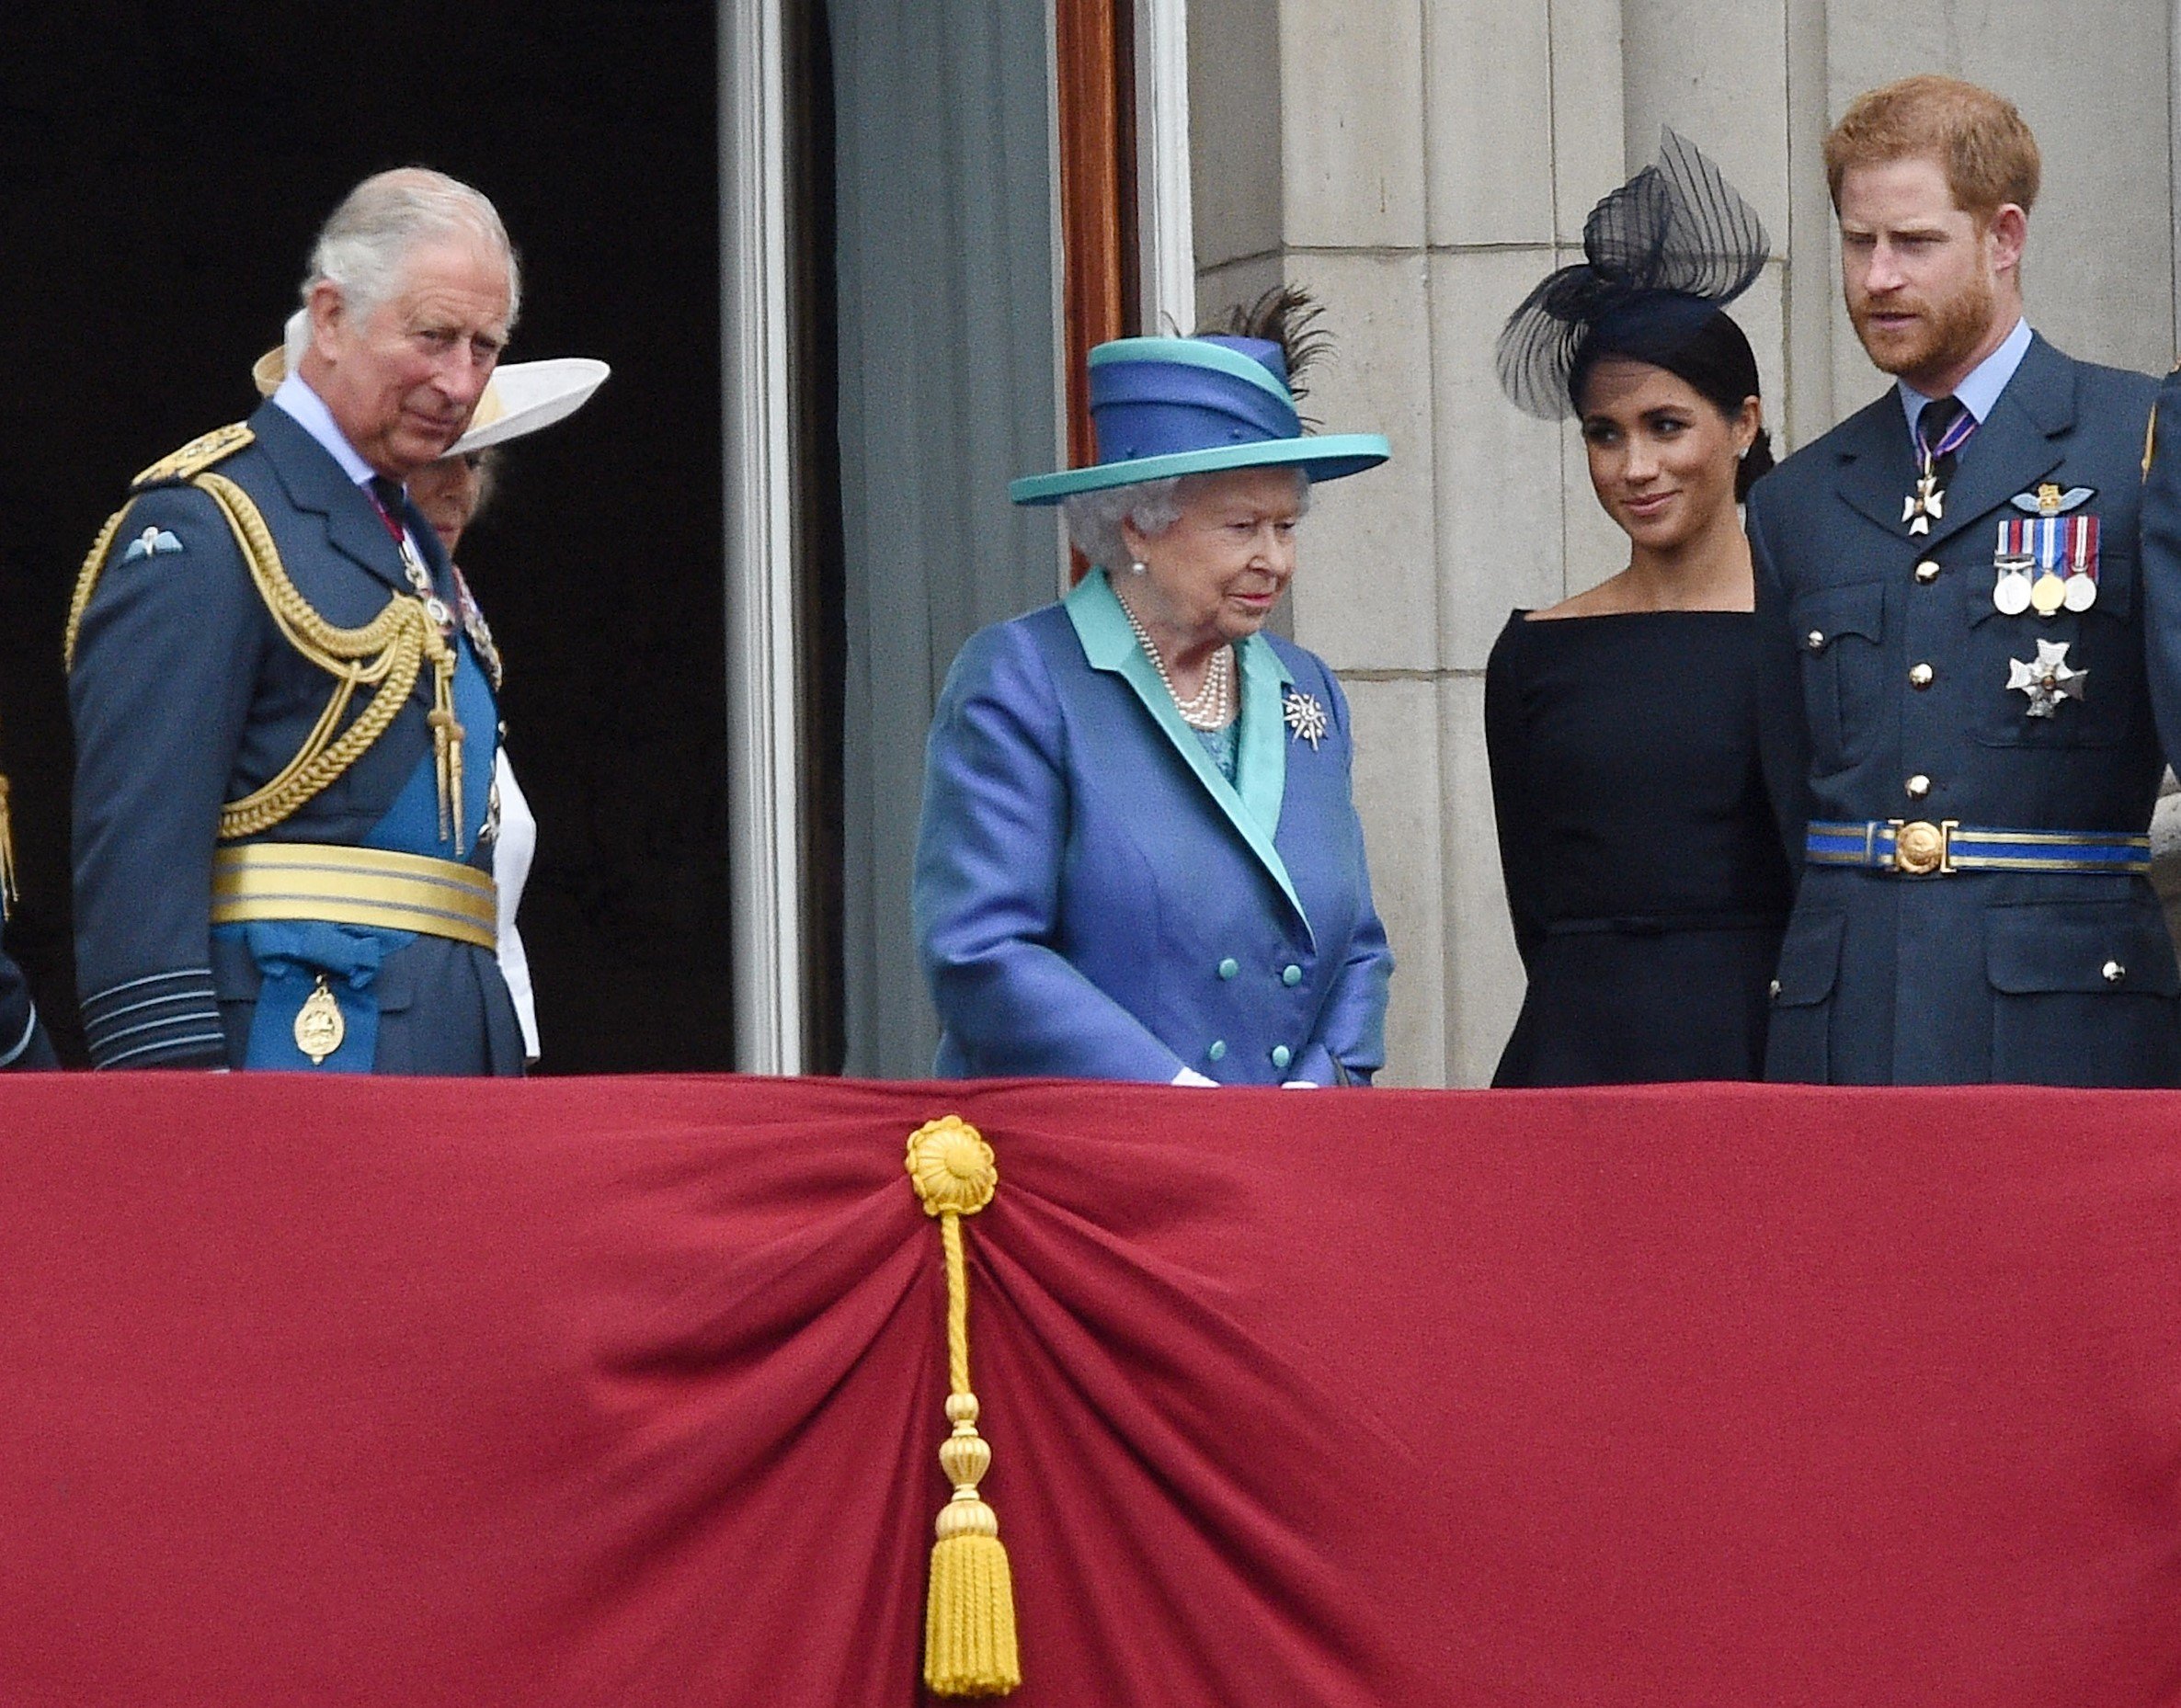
519 398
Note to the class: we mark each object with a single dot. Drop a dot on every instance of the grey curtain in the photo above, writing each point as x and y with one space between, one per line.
946 342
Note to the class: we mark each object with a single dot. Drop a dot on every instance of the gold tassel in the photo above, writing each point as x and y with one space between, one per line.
9 895
970 1609
446 740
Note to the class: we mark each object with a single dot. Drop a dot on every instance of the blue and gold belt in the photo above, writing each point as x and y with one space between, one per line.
1917 847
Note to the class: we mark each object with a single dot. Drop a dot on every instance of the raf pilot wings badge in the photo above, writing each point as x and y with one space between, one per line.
152 542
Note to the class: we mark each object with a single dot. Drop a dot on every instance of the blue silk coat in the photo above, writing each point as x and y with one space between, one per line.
1094 899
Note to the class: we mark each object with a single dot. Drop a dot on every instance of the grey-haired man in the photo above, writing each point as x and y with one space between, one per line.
284 735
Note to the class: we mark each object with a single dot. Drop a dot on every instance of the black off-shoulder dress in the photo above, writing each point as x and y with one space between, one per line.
1642 861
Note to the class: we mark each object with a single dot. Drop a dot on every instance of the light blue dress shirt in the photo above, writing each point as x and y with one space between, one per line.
1981 389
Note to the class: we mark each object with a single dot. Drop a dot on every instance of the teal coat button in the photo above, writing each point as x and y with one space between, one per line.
1291 974
1281 1055
1219 1050
1229 967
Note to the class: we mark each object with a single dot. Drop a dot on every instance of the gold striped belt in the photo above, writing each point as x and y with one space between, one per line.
264 881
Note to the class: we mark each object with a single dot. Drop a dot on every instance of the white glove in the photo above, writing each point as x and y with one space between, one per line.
1190 1076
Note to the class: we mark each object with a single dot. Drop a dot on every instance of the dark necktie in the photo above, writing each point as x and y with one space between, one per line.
388 496
1942 429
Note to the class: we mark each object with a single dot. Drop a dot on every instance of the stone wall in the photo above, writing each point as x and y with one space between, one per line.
1420 163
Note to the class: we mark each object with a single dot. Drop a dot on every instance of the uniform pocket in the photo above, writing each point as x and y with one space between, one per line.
2100 646
1840 631
2083 994
1798 1041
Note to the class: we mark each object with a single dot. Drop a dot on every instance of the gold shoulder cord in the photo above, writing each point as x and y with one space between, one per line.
386 656
186 463
2150 440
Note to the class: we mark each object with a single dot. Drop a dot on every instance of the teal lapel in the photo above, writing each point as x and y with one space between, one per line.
1101 627
1261 777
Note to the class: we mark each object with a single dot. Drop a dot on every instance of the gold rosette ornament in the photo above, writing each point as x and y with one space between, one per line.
969 1612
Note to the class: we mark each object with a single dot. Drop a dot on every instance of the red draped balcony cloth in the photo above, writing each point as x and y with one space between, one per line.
603 1392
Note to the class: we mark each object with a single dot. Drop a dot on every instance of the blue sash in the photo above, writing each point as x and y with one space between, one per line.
294 955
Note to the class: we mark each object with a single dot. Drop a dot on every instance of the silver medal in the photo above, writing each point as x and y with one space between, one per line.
2079 593
2049 682
2010 594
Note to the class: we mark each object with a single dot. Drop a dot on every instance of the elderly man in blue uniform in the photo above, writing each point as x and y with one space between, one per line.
1956 690
284 736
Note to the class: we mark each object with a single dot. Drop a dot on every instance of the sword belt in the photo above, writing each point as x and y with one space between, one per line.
254 882
1920 849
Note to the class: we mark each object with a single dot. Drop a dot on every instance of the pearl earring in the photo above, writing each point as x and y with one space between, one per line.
1139 567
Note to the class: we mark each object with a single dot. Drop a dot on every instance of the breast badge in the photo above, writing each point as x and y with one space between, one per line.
2048 681
2046 560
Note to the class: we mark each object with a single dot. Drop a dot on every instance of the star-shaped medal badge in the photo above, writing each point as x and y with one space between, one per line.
2048 681
1305 716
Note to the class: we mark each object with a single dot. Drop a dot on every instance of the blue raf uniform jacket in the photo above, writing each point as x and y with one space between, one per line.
23 1043
1094 899
1884 695
186 696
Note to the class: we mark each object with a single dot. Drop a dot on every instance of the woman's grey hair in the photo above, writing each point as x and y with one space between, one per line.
1094 518
365 244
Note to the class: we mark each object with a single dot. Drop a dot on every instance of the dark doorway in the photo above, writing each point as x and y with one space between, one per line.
166 170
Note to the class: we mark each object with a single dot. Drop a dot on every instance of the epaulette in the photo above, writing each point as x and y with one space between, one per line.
197 456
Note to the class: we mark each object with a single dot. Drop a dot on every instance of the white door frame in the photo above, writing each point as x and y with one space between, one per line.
1166 238
767 929
764 843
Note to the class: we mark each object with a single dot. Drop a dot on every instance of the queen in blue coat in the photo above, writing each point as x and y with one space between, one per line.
1139 856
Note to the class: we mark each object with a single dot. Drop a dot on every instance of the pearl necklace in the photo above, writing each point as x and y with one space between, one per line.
1211 706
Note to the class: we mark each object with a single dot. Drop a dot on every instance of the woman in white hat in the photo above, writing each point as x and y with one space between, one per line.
520 398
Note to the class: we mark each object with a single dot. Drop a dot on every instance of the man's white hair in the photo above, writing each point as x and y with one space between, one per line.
365 244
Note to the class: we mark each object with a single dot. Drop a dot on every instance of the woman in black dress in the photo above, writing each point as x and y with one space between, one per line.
1642 861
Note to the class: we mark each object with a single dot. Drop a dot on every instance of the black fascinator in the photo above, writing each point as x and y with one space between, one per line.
1671 244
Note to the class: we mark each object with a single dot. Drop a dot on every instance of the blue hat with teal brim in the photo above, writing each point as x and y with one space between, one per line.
1168 406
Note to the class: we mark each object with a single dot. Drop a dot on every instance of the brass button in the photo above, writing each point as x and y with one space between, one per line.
1771 990
1815 640
1920 676
1927 571
1918 786
2114 971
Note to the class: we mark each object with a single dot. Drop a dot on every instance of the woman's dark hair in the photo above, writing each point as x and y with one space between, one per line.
1693 340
